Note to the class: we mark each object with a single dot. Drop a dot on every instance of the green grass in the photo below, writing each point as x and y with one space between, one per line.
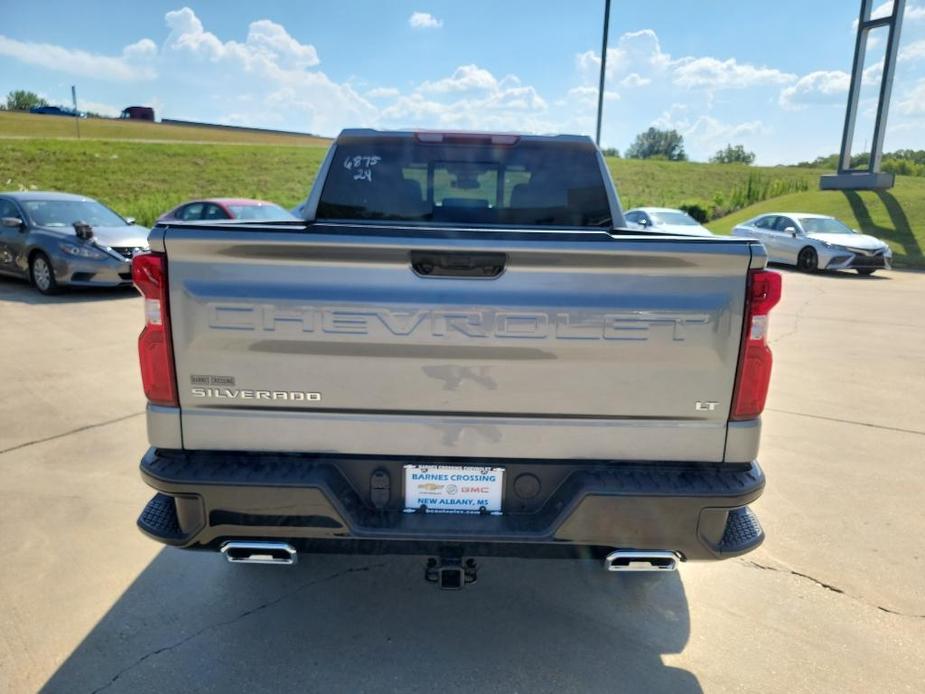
29 125
897 216
143 180
669 183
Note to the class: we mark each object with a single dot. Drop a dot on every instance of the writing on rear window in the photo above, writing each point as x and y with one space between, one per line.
361 166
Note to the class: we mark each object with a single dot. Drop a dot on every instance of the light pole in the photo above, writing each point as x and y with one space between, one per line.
600 89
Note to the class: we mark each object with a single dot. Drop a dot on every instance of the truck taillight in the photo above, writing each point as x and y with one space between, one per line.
754 371
149 273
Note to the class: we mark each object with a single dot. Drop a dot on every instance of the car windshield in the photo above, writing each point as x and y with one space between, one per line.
524 184
824 225
678 218
263 212
63 213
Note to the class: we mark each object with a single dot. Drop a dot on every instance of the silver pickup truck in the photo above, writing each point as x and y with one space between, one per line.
459 352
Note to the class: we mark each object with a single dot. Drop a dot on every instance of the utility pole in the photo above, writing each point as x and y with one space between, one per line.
76 112
600 89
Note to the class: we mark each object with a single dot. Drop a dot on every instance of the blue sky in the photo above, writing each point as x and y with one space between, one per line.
772 76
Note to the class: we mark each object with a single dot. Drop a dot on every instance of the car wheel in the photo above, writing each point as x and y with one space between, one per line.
866 271
808 261
42 274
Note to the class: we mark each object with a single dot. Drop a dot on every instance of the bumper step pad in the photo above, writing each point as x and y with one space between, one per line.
743 532
159 518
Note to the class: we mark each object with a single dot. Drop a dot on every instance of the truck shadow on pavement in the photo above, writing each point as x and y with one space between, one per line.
21 292
190 621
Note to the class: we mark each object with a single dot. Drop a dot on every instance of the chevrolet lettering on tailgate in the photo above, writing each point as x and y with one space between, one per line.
560 325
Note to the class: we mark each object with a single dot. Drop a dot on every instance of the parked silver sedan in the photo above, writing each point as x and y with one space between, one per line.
665 220
59 239
816 242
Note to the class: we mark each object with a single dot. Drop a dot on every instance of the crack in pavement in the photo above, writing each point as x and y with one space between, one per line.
847 421
828 586
69 433
242 615
797 317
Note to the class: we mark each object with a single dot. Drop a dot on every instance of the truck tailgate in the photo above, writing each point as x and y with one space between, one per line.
338 338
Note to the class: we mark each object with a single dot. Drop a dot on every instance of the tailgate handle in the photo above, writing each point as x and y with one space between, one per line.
452 264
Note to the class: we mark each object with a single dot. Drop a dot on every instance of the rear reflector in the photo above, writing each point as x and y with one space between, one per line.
149 272
754 370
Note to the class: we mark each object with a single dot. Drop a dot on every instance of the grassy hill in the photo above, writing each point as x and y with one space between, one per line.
142 180
29 125
897 215
669 183
143 169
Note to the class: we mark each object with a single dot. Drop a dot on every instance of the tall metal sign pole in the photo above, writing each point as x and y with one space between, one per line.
870 177
600 89
76 113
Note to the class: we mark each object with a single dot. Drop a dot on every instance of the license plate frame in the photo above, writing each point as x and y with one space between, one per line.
453 489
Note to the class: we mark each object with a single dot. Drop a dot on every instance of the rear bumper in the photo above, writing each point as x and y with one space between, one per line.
323 502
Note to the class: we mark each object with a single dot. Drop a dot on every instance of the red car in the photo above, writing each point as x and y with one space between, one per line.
227 208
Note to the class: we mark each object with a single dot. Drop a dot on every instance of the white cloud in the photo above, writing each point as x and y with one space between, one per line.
585 96
638 58
268 44
275 84
872 74
382 93
424 20
912 51
133 64
704 129
639 51
703 134
635 80
711 73
273 42
464 78
823 87
711 131
472 97
913 104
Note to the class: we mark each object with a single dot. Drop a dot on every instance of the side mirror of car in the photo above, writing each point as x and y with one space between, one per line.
792 231
129 220
13 222
83 230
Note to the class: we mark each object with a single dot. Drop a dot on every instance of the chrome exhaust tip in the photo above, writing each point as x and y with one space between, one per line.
246 552
641 560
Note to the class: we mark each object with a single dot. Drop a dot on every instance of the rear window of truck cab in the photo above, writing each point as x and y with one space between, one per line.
477 182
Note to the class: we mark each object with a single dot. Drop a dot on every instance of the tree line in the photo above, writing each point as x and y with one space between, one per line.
904 162
668 145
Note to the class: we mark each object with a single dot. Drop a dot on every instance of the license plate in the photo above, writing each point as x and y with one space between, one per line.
451 488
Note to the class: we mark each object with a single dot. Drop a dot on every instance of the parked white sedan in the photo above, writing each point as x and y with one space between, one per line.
816 242
665 220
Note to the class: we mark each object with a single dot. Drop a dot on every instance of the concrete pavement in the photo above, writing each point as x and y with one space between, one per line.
834 600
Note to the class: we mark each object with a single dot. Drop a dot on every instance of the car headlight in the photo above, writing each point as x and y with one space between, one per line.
82 251
887 251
